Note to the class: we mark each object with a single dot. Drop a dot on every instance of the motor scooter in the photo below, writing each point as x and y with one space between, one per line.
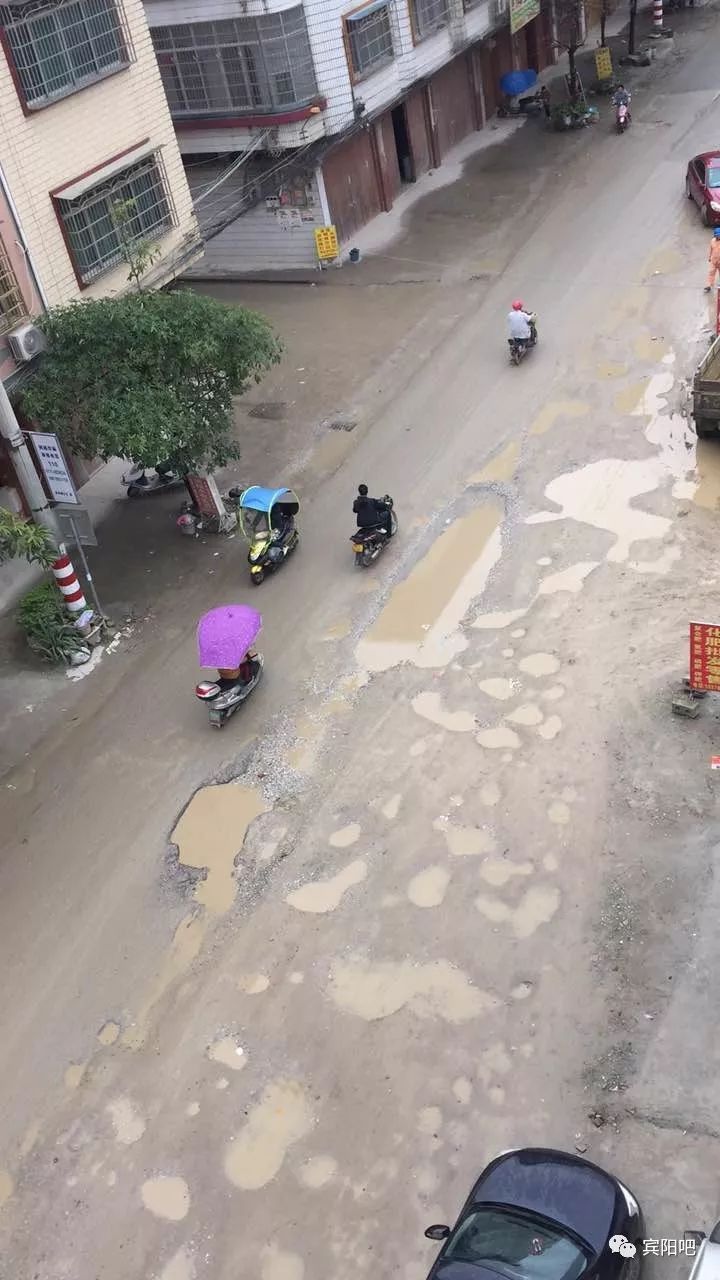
368 544
140 485
225 696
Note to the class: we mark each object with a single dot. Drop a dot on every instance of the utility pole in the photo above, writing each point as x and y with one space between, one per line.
40 509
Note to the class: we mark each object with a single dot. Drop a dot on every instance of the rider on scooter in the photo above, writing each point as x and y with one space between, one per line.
372 512
521 324
622 98
241 674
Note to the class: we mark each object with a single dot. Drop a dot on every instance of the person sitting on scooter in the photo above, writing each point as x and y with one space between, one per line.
241 674
371 512
521 324
621 98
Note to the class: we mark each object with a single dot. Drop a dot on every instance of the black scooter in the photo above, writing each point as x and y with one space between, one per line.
368 544
140 485
225 696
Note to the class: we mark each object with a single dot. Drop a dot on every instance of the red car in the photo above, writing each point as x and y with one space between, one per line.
702 184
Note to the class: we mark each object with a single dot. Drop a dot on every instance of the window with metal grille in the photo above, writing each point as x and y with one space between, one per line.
12 307
429 15
60 46
102 225
236 64
368 35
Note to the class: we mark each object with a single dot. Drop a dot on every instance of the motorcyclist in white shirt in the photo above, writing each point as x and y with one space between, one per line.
521 323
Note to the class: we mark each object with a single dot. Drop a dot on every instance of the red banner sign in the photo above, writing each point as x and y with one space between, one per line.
705 656
203 495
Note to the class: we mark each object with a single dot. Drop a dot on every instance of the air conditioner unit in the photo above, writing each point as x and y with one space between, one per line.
26 342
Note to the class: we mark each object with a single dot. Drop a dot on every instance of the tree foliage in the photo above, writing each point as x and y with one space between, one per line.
22 540
139 252
149 376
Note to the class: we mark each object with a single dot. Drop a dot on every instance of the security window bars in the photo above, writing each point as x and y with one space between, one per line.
60 46
236 64
102 225
12 307
429 16
369 39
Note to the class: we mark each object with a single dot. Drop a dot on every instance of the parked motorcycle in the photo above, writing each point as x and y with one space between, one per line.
530 105
140 485
368 544
519 347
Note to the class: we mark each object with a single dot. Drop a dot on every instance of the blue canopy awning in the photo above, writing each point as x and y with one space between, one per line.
258 499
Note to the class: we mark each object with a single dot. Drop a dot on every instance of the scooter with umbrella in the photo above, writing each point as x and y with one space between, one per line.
225 637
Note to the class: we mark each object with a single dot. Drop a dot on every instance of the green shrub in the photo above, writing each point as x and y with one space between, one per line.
46 625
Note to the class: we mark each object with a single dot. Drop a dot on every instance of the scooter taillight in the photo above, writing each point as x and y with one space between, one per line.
206 690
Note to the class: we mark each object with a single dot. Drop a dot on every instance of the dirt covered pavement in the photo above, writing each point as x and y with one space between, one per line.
272 997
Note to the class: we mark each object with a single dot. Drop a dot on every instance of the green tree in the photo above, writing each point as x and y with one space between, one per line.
139 252
570 36
149 376
23 540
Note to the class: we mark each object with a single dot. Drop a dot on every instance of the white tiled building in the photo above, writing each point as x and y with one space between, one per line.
84 124
319 112
89 163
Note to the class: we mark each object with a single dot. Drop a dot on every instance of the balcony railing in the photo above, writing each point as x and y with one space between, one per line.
237 65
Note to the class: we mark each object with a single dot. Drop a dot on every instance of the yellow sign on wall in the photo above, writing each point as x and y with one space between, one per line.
522 12
326 243
603 64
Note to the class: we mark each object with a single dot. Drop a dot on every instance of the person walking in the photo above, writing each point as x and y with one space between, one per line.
713 259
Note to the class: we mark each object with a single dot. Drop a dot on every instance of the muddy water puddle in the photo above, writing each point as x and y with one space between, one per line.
555 411
326 895
373 990
183 950
209 836
500 468
421 621
281 1118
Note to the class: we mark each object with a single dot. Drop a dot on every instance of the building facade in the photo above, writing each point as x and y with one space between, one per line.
89 164
295 116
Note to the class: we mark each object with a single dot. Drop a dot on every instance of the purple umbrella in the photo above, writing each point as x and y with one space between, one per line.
225 634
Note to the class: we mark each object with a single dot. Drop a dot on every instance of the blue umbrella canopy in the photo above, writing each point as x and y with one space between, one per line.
515 82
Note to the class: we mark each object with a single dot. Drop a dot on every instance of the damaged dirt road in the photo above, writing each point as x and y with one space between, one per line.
447 884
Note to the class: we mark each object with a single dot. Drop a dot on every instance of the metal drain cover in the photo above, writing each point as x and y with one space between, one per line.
340 424
273 410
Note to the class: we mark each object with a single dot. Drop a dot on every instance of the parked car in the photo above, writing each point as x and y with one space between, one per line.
707 1258
702 184
538 1214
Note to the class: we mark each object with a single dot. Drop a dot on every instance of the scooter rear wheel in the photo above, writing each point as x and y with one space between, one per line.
257 578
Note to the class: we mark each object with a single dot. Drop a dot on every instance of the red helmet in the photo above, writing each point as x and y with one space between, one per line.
517 305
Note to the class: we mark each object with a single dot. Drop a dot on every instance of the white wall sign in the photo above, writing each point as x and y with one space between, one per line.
54 467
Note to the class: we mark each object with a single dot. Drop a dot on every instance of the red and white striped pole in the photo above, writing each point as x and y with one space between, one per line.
658 14
68 583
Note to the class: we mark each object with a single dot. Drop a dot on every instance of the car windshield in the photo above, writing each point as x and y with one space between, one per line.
713 177
517 1246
